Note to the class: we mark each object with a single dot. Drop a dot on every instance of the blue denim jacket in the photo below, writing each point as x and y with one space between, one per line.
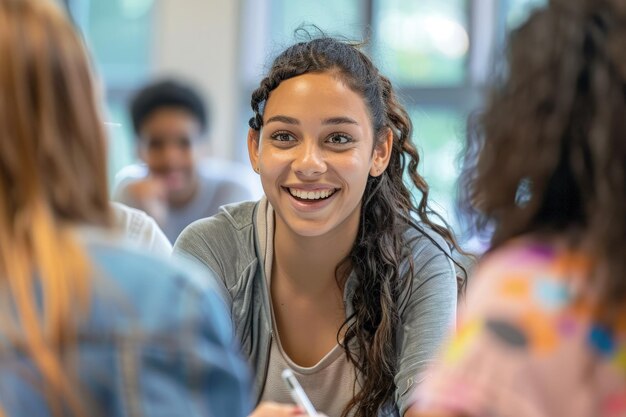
157 342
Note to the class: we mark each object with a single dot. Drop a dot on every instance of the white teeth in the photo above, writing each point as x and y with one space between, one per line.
311 195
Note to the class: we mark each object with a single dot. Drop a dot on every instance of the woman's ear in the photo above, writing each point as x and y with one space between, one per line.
382 153
253 148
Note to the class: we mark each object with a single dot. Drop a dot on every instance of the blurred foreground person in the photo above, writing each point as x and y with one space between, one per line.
544 329
86 328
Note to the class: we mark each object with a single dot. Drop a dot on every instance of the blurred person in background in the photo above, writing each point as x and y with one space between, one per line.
169 119
88 328
543 333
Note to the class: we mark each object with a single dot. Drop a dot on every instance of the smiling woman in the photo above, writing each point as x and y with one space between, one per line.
330 274
305 154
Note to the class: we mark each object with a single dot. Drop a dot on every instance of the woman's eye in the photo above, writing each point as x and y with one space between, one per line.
282 137
154 144
339 139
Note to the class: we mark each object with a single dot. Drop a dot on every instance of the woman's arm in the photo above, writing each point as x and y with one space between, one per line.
193 249
427 317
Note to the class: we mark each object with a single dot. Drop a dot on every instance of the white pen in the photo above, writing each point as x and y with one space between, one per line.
297 393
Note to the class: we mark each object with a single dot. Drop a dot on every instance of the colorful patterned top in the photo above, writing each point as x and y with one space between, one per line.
527 343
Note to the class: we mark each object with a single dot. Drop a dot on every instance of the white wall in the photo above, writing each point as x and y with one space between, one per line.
198 40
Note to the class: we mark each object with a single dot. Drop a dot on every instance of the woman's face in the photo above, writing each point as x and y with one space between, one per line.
315 153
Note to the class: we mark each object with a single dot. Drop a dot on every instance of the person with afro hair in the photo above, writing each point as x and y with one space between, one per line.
170 119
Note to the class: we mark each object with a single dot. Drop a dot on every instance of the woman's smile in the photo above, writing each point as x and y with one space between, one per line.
310 201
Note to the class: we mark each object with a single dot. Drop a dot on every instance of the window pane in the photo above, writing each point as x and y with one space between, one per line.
334 17
121 143
518 10
438 134
120 36
422 42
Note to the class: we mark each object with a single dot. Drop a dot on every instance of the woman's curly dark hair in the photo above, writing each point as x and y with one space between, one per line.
388 207
549 154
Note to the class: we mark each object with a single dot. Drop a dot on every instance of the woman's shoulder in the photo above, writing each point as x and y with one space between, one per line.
531 259
430 267
420 237
140 282
228 233
225 244
428 248
163 319
524 325
134 292
528 275
231 220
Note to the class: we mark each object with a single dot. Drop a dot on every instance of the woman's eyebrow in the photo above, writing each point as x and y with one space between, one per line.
330 121
283 119
340 121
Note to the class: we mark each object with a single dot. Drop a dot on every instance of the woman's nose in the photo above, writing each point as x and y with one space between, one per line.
309 160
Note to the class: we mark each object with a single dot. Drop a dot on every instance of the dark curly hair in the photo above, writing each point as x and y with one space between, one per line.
548 155
167 93
388 207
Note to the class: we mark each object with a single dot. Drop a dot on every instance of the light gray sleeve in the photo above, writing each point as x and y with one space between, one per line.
233 192
428 316
193 248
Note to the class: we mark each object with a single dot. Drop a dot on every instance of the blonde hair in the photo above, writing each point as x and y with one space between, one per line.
52 178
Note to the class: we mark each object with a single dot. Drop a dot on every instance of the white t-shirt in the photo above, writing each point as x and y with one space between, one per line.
330 384
140 230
